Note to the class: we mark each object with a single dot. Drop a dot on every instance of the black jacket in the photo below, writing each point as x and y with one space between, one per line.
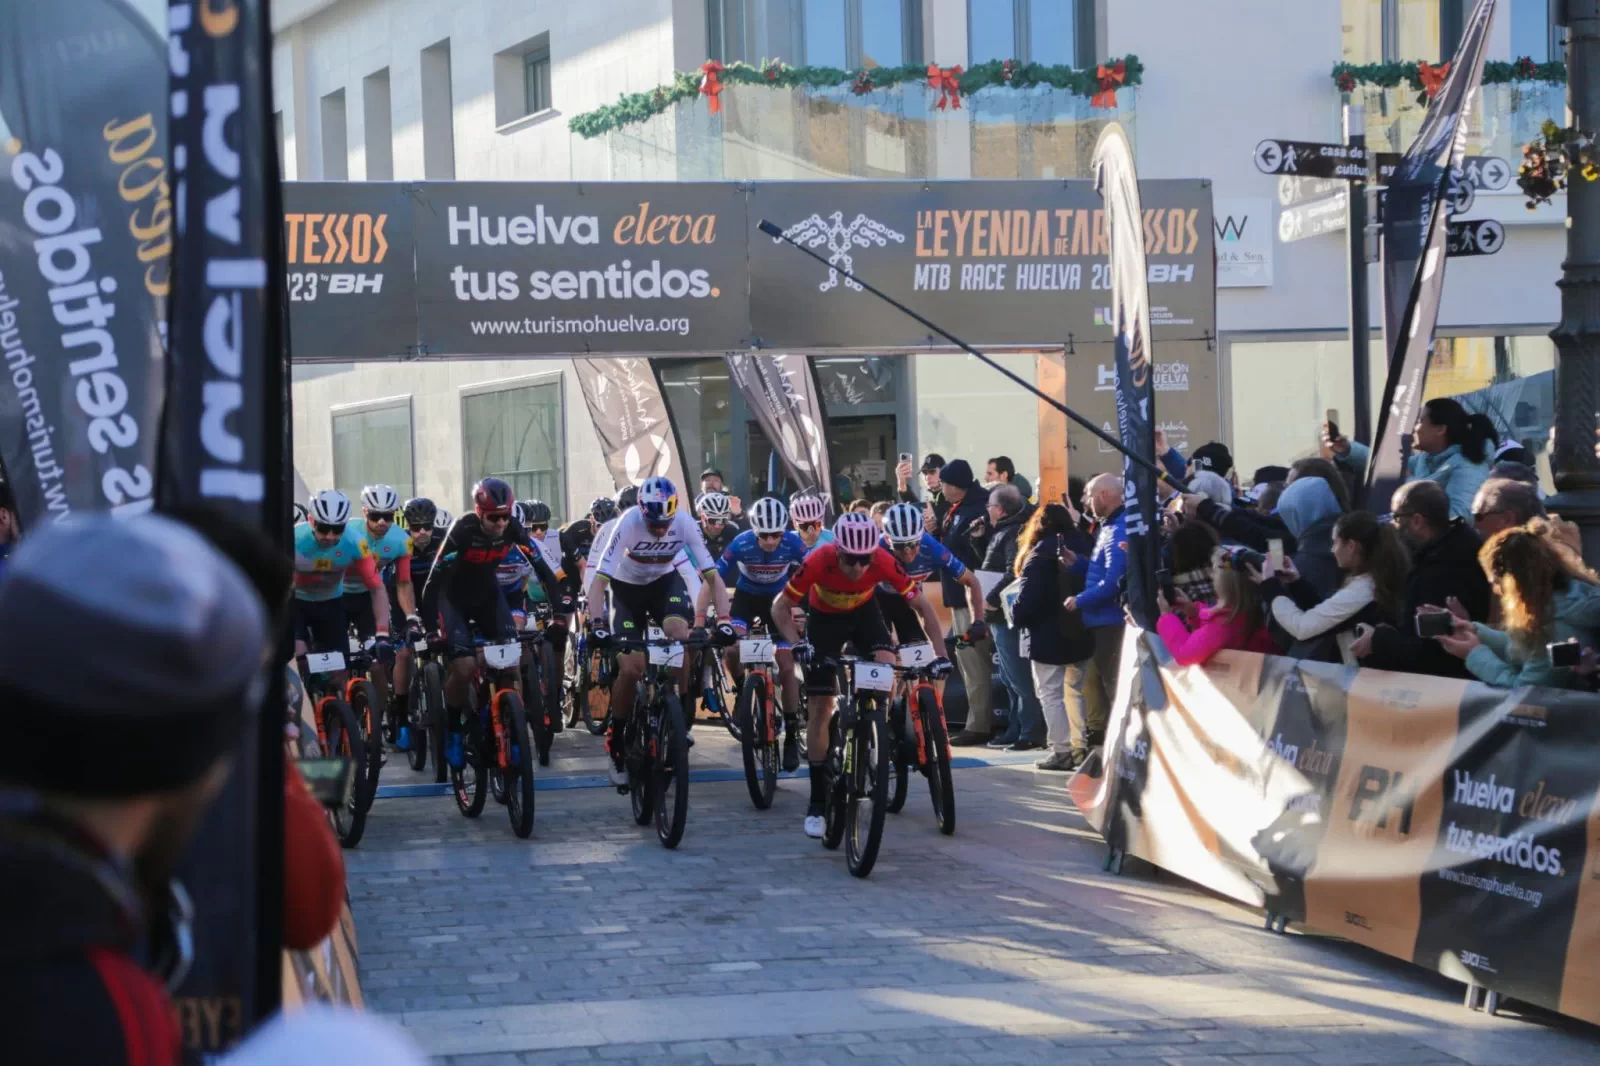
1446 566
1058 636
1001 556
965 542
71 991
1250 528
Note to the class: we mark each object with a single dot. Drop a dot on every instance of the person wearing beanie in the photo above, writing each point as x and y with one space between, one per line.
1214 457
122 714
964 530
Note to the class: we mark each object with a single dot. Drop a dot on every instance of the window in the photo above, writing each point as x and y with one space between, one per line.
1054 32
516 431
438 114
522 83
835 33
335 145
536 80
376 117
1379 31
1534 32
699 396
372 446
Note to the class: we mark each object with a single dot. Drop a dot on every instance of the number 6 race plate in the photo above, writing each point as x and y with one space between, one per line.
755 651
875 677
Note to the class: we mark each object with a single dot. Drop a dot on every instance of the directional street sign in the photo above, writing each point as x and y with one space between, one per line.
1314 219
1292 190
1311 159
1488 172
1480 236
1459 198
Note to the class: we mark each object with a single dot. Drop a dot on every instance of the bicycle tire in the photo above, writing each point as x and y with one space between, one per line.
898 762
534 696
417 720
364 702
433 687
598 687
343 730
569 680
641 794
871 786
552 691
837 789
758 740
941 781
470 784
519 766
671 773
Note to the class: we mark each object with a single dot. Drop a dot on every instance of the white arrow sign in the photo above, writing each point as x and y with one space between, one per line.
1269 155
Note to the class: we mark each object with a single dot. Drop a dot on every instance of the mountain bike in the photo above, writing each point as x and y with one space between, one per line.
594 669
541 685
858 761
758 720
713 686
920 737
655 740
362 697
496 740
339 734
425 706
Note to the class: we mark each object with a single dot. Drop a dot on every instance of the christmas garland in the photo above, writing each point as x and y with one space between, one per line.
1348 76
1099 83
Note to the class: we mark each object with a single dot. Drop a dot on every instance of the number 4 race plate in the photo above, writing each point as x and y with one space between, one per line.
755 651
875 677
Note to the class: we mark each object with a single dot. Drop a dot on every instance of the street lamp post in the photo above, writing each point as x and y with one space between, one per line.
1577 336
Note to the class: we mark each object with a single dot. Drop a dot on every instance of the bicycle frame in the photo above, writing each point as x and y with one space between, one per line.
490 682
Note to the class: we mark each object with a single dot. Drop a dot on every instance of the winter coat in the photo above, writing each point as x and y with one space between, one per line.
1000 557
1499 661
1309 509
1058 636
1446 566
1215 632
1100 601
1319 629
1459 477
965 543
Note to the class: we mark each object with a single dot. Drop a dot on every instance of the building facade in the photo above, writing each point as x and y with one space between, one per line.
378 90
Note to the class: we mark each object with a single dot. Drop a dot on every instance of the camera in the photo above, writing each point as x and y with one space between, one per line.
1435 624
1566 653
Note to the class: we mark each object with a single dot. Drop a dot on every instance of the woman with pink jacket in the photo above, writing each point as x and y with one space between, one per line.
1194 633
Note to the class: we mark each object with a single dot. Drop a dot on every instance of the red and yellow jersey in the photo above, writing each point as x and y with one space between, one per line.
822 585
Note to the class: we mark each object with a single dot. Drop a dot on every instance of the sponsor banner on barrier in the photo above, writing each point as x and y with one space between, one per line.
1443 822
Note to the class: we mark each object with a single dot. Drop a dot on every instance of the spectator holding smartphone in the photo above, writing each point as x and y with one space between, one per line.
1449 446
1194 632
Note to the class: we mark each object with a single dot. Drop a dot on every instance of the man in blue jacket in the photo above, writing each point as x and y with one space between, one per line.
1100 602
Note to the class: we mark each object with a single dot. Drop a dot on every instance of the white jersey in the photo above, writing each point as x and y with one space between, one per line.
630 553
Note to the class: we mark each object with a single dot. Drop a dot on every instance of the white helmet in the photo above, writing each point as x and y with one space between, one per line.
808 507
902 523
380 498
713 505
856 533
330 507
443 520
769 515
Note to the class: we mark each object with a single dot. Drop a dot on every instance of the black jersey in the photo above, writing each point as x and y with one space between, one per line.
467 563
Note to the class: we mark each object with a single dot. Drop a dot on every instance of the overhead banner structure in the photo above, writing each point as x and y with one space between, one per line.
630 417
1118 185
458 269
1443 822
85 238
1414 256
782 392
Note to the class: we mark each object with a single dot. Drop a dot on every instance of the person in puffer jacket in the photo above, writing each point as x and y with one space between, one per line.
1195 632
1099 603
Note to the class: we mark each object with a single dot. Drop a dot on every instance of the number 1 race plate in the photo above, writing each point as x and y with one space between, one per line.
502 656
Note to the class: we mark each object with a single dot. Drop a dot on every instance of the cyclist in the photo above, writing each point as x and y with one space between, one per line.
577 538
326 551
759 562
420 516
835 585
923 557
390 547
637 563
716 521
808 511
464 579
513 572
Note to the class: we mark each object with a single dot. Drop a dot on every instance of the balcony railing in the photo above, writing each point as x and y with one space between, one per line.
1508 117
798 133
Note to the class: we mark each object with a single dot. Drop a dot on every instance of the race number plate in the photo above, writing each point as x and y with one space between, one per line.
1025 644
325 662
420 645
355 646
666 654
502 656
916 654
755 651
875 677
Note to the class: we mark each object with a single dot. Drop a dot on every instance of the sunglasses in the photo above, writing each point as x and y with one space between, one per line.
380 516
807 527
329 531
846 559
497 518
769 536
543 528
425 528
716 521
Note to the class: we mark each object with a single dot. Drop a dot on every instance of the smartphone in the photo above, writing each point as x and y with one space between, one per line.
1164 583
1566 653
328 779
1435 623
1332 419
1275 553
906 457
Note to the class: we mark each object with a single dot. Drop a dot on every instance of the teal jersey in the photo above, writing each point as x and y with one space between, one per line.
320 573
393 549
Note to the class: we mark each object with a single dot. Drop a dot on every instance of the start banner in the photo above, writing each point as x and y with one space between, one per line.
1443 822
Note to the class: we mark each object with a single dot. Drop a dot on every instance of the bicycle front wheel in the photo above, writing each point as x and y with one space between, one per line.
899 769
595 693
343 730
941 782
471 782
436 717
868 792
838 786
364 702
670 774
519 764
758 738
533 692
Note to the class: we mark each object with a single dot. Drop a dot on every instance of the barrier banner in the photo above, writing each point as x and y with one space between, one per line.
85 243
1443 822
329 972
783 395
631 418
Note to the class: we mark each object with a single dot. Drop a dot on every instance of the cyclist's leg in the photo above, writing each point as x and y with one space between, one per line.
402 664
503 625
827 634
629 626
325 631
784 658
671 609
461 654
358 609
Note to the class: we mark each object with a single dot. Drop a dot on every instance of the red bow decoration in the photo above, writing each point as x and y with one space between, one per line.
1109 78
946 80
1432 77
710 84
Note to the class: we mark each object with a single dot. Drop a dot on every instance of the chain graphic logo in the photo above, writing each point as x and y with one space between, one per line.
861 232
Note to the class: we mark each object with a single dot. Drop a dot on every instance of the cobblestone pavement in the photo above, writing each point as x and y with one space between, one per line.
1005 943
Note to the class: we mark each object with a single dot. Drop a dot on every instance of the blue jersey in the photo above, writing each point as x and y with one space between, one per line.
824 537
931 557
386 552
512 573
760 571
320 573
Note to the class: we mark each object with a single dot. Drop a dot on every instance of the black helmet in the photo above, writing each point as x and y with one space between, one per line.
535 512
627 497
300 513
420 511
492 497
603 509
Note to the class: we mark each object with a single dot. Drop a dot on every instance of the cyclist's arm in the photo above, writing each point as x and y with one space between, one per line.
366 568
783 617
702 600
403 590
930 618
974 587
712 582
547 578
596 596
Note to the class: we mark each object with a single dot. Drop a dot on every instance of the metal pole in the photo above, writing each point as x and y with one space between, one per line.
1355 136
1577 336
